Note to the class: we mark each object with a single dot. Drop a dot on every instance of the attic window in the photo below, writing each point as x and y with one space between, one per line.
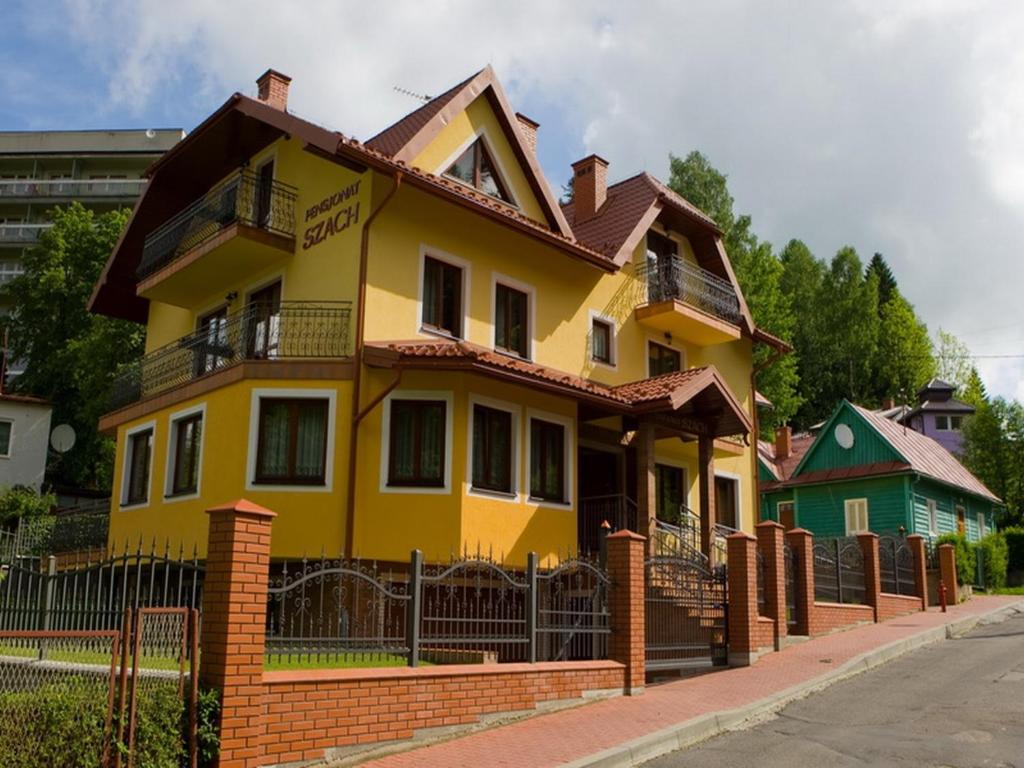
475 167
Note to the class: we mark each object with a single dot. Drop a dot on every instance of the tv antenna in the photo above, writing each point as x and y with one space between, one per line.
406 92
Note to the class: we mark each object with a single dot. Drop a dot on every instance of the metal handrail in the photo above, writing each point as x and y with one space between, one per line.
71 187
242 199
670 277
22 232
295 329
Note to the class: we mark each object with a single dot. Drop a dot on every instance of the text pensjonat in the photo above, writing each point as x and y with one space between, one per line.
341 220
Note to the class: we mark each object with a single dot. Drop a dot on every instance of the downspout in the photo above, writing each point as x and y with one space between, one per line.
755 476
357 414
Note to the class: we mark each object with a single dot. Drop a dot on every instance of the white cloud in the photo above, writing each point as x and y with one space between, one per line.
894 127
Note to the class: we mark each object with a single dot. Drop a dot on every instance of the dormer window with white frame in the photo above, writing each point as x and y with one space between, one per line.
476 168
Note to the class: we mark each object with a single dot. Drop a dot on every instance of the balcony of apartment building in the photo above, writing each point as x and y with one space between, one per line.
262 340
112 188
242 225
688 301
21 233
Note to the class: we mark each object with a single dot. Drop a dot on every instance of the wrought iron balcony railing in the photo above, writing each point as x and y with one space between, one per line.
672 278
22 233
295 329
242 199
59 188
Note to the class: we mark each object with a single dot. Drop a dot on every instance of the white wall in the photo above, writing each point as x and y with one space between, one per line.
30 436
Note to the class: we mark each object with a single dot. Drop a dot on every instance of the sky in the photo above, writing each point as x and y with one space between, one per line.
895 127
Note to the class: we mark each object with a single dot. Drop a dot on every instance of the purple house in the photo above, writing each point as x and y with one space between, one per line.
937 414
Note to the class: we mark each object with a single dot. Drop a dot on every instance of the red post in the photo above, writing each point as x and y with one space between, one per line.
626 605
802 543
947 572
744 640
234 620
916 543
771 545
872 573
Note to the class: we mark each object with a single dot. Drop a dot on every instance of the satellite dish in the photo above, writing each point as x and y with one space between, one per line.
150 133
844 436
62 438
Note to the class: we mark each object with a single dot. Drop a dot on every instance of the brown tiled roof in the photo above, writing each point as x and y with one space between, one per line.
675 389
925 455
627 203
13 397
783 468
398 134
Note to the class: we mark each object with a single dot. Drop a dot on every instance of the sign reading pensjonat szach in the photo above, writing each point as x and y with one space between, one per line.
331 225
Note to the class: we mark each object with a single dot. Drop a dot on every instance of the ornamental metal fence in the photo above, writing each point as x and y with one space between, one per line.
839 570
791 565
87 593
761 600
471 609
242 199
896 566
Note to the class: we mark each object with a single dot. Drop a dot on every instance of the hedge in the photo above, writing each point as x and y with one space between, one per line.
966 565
1015 545
994 555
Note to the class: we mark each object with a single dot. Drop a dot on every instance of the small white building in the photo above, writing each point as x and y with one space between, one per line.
24 439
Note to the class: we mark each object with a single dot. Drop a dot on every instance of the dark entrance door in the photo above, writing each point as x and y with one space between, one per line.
264 184
601 495
264 312
726 502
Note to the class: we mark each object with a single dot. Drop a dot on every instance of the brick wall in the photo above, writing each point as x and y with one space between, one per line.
309 712
890 606
764 634
831 617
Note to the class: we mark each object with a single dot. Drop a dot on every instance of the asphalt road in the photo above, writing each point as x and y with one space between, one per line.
956 703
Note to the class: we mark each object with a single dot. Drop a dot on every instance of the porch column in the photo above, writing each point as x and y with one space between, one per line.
706 468
646 489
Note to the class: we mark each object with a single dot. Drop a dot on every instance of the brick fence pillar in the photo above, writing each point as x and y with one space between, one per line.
872 573
947 572
626 604
916 543
801 541
234 623
742 569
771 545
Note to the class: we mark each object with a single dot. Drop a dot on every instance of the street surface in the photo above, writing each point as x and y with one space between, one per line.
957 703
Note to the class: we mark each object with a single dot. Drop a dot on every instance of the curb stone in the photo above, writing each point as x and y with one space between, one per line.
704 727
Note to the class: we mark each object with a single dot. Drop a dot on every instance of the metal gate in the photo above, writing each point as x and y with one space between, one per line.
685 613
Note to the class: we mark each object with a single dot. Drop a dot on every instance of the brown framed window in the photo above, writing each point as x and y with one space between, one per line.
511 327
669 498
442 297
417 443
292 445
185 442
662 359
547 461
476 168
492 449
601 341
140 449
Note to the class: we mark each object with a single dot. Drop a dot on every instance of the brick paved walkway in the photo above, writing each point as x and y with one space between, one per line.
560 737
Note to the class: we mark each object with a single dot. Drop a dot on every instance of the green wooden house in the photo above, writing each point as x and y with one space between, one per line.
864 472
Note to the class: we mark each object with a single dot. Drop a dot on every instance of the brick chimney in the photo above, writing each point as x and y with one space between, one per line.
783 442
272 89
888 404
529 128
590 186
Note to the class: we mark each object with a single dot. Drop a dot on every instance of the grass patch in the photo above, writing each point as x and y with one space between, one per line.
1009 591
347 661
85 657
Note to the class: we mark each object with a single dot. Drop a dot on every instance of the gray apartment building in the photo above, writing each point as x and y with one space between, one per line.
41 169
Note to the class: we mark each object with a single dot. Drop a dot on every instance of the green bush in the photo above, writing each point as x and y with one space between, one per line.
20 501
966 565
207 725
994 555
1015 545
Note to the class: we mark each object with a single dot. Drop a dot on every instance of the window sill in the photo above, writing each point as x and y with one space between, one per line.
497 495
549 503
428 331
128 506
513 354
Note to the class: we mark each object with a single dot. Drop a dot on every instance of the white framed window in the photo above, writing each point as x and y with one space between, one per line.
443 299
493 463
603 340
856 516
549 465
785 510
291 440
982 526
137 465
476 164
933 517
514 312
185 453
416 442
662 358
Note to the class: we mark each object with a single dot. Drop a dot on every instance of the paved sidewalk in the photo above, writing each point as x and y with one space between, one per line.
602 732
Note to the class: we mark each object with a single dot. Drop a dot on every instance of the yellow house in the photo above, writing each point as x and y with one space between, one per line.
409 343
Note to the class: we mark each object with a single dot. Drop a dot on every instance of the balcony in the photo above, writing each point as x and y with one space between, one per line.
248 223
296 330
689 302
56 189
21 234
